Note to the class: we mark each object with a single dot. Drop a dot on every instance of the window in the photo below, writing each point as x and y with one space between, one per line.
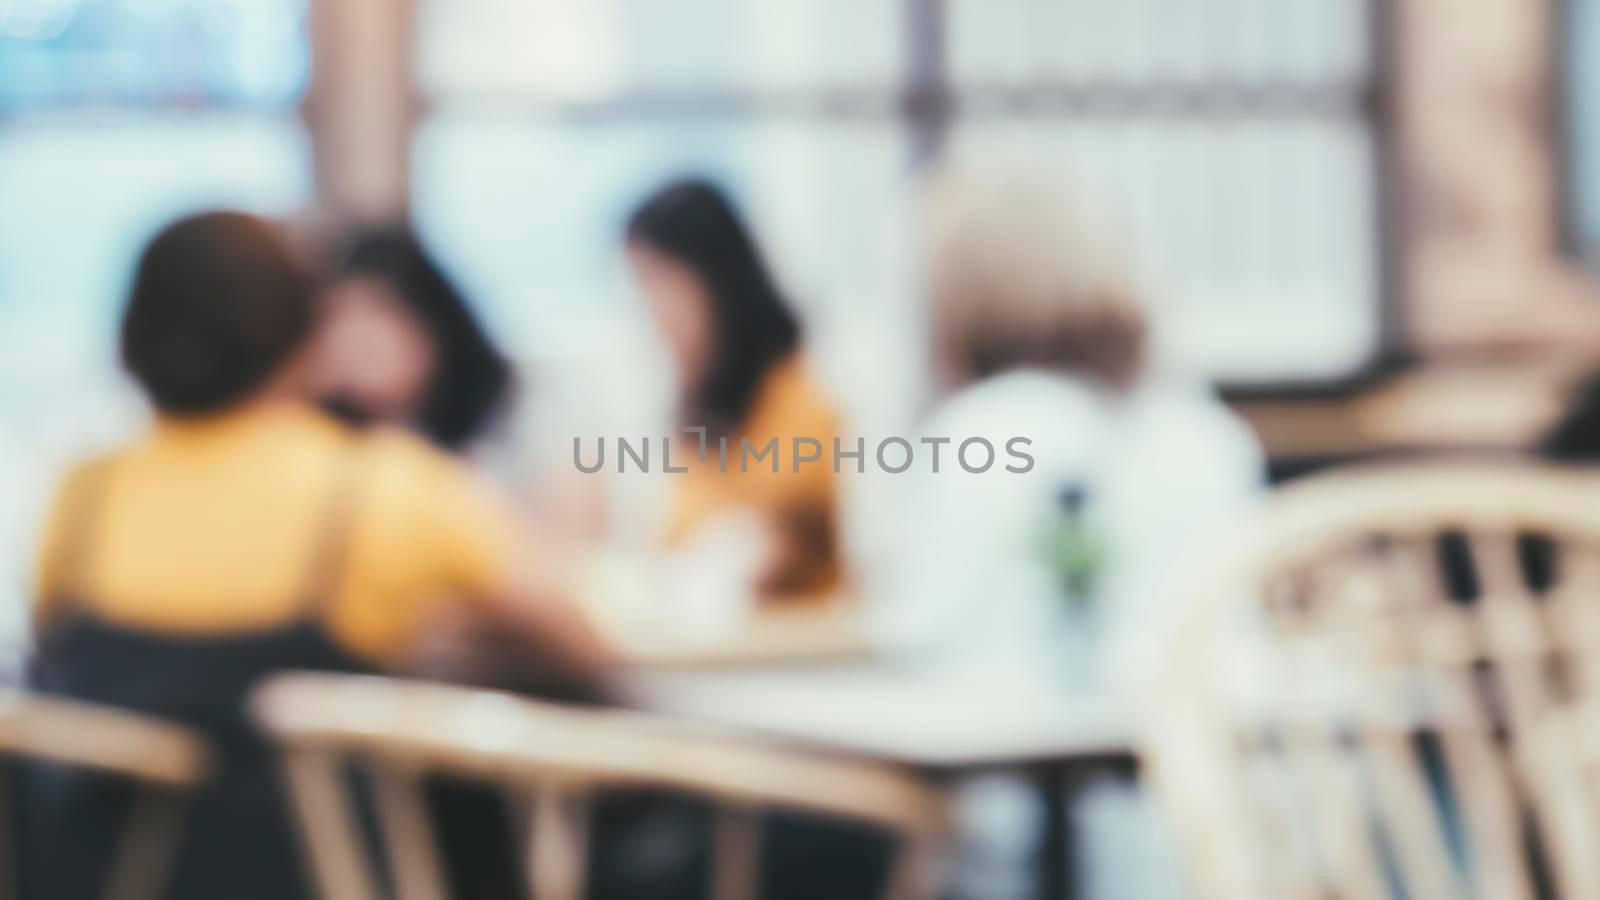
548 121
115 117
1229 141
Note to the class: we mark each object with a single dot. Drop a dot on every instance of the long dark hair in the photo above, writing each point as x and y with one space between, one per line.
471 378
693 222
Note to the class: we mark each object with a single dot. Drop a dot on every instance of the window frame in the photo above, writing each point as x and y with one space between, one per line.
926 104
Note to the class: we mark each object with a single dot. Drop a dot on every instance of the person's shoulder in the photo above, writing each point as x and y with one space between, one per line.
1058 421
407 454
75 488
93 468
1189 411
793 396
1184 424
410 465
1043 401
794 378
407 482
81 477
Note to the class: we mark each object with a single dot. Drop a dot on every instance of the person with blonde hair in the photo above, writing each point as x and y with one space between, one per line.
1058 571
1016 279
1042 348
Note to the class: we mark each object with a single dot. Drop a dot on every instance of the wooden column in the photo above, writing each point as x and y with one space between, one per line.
1479 154
360 107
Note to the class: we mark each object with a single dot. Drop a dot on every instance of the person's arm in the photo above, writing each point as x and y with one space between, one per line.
801 507
520 625
539 609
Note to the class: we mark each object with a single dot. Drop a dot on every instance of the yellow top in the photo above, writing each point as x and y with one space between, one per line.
211 527
801 505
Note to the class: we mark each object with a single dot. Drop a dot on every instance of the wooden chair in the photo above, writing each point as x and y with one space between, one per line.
549 760
164 760
1390 691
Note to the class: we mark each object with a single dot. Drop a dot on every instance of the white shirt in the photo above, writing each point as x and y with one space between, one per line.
1163 468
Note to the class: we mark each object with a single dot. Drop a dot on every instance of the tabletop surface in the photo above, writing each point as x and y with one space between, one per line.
806 637
943 720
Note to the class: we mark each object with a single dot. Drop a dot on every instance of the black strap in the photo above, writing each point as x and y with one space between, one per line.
332 550
82 497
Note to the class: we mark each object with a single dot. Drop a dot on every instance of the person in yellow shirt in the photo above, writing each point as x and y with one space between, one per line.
248 533
736 347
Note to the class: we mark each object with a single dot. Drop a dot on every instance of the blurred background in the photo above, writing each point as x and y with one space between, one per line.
1366 221
1248 149
1372 225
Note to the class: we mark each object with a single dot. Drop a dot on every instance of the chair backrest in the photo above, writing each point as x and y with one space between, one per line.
1388 691
549 760
163 760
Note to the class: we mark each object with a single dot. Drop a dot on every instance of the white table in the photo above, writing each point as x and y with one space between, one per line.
944 724
925 720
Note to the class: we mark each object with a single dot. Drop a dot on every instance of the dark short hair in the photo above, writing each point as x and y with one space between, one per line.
471 378
219 304
693 222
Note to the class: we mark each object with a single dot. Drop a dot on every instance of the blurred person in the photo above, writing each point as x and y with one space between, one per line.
736 347
246 533
1056 568
399 344
741 374
1038 336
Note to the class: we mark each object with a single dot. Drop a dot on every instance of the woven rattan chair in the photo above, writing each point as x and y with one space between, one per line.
1389 692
